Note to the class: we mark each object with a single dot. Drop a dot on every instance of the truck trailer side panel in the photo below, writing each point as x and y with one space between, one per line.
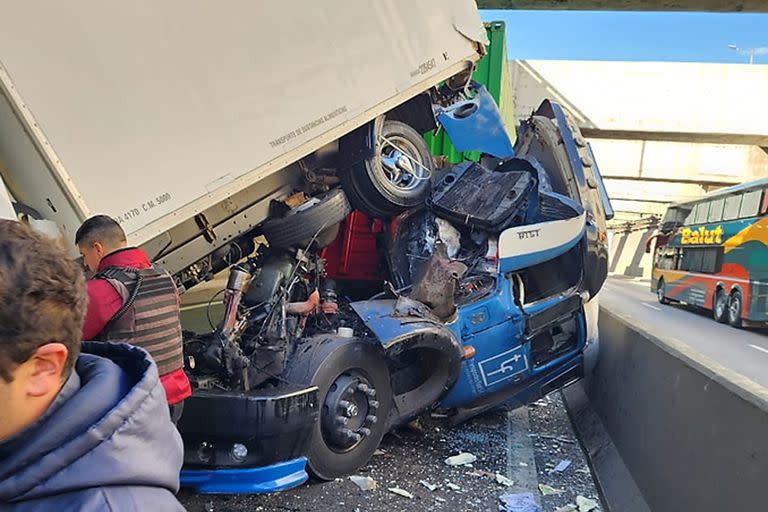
156 111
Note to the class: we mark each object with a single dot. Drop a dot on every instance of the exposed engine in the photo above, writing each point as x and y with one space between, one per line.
441 257
272 302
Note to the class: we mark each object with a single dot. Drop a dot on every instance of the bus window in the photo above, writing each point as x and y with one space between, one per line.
667 258
702 211
716 210
692 215
675 216
732 206
750 205
711 260
764 207
702 259
686 259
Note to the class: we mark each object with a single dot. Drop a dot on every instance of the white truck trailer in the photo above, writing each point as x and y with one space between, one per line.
182 120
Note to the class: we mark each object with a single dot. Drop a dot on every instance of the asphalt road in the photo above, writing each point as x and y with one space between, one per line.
524 445
744 351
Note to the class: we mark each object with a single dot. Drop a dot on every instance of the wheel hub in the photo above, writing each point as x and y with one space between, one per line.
399 168
349 411
720 304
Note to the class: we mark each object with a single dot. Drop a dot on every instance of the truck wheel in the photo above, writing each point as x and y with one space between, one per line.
318 216
720 306
734 309
355 396
661 292
396 177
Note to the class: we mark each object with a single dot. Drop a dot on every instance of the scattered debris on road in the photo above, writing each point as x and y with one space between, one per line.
586 504
546 490
522 502
562 465
429 486
415 463
461 459
365 483
502 480
401 492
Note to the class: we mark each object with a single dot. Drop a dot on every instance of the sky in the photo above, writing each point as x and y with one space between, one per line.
634 36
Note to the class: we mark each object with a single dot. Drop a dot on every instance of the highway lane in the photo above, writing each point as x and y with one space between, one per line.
744 351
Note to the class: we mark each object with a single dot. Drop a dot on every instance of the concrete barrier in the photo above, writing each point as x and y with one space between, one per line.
627 252
692 434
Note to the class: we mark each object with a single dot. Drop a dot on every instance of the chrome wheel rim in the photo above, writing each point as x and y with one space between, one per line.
397 160
734 308
720 304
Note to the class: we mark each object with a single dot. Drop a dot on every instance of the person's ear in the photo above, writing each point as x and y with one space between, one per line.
45 368
99 248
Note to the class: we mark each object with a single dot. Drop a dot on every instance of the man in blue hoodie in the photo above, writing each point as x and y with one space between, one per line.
81 430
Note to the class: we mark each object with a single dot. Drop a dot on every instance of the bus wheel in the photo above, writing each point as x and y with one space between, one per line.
661 292
720 306
734 309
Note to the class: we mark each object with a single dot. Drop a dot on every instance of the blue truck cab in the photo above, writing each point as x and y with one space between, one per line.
483 302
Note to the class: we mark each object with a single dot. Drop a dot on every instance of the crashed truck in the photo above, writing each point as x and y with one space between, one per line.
222 142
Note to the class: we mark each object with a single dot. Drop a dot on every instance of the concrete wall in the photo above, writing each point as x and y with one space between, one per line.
691 433
649 96
627 254
661 132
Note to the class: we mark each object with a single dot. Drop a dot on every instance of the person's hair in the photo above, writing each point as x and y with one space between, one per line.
102 229
42 297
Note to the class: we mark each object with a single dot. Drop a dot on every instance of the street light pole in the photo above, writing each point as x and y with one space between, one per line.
749 51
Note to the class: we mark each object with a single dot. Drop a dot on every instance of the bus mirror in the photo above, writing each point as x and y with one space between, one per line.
649 242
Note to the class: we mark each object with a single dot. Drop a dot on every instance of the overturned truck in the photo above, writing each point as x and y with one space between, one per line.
209 131
484 288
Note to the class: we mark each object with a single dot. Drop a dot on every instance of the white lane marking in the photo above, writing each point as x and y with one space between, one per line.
510 457
650 306
761 349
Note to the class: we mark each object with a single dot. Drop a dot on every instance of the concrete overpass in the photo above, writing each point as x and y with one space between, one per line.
661 132
630 5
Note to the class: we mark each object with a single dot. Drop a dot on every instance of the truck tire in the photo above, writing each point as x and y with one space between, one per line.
354 396
389 182
319 216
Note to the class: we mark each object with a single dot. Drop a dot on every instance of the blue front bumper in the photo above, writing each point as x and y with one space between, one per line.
277 477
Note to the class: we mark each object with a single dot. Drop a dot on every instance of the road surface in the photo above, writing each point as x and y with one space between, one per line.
744 351
524 444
